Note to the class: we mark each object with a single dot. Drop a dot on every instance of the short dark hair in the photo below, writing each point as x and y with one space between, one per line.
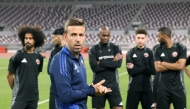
73 21
36 32
141 31
58 31
165 31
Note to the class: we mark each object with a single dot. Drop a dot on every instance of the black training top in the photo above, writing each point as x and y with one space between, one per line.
187 61
140 74
171 79
26 68
107 68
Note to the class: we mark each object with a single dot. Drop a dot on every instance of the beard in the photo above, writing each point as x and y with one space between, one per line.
77 51
28 46
162 42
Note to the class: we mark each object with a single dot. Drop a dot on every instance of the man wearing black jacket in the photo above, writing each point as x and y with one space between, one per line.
140 67
58 42
170 59
104 59
186 68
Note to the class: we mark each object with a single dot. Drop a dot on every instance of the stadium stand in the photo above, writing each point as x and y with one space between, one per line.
48 16
116 15
174 15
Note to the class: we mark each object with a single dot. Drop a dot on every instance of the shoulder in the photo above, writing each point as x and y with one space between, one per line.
155 47
39 54
17 54
130 52
93 48
148 49
52 49
181 46
114 44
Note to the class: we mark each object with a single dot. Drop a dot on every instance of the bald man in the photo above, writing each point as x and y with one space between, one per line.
104 58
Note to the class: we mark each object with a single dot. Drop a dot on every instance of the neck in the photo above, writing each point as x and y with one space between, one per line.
75 54
30 50
169 43
140 47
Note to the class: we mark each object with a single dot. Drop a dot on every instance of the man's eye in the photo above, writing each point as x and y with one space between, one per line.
73 34
81 35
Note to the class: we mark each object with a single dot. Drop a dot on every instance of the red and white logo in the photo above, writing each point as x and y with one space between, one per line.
174 54
37 61
146 55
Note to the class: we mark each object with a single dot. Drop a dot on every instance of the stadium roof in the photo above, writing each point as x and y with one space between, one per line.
71 2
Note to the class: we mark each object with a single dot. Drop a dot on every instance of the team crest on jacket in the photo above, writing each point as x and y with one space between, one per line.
37 61
146 55
82 63
174 54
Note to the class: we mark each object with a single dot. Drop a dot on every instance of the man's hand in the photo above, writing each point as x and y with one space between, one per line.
130 65
101 90
163 63
117 57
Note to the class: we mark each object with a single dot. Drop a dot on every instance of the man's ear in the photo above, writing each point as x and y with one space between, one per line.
165 36
99 35
64 36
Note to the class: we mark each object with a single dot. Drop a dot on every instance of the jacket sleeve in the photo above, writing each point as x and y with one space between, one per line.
150 69
187 61
113 64
136 69
61 78
93 61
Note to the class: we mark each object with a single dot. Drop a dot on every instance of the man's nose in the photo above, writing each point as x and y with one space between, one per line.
78 38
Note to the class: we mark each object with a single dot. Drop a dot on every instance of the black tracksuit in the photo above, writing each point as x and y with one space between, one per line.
140 83
171 82
107 69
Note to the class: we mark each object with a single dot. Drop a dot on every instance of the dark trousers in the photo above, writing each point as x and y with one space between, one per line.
134 97
24 105
51 99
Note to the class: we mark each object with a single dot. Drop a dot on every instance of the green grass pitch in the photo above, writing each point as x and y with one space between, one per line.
44 83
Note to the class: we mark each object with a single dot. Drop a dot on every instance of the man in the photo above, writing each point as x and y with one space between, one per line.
68 72
24 68
140 67
58 42
186 68
104 59
170 59
156 84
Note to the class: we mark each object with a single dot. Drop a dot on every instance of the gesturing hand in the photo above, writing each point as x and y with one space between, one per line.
99 89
